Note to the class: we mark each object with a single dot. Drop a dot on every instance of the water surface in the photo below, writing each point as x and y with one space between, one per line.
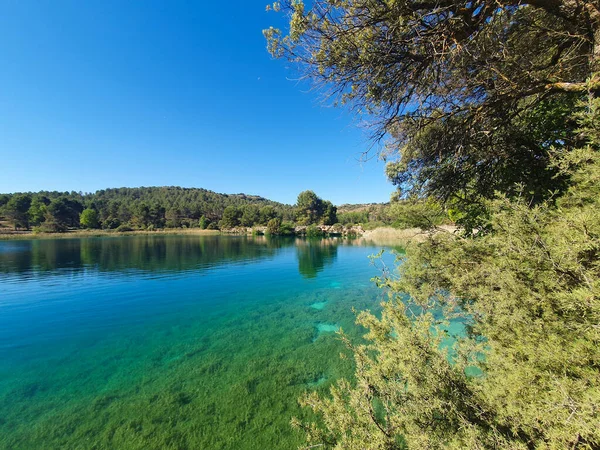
200 342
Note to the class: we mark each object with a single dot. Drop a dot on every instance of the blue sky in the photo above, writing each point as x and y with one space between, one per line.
97 94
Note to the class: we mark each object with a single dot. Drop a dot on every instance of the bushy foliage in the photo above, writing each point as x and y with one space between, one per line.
231 217
329 213
286 229
273 226
312 231
16 210
38 209
525 374
89 218
139 208
203 223
64 212
417 213
353 217
476 101
311 209
468 96
412 212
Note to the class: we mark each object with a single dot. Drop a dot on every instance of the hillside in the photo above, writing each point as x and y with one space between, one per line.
363 213
138 208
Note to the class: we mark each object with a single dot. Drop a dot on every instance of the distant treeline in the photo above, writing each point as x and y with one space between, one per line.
148 208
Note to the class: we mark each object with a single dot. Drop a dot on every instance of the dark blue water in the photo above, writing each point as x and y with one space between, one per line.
172 341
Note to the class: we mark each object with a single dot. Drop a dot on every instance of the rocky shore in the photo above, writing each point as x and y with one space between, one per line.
300 230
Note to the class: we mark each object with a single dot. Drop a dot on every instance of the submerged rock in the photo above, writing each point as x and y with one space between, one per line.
319 305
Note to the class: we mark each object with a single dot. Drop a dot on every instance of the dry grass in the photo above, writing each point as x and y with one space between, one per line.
20 235
395 236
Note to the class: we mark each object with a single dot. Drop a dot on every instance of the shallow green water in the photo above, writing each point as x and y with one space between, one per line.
200 342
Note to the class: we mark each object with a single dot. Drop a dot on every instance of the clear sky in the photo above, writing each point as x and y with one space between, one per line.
97 94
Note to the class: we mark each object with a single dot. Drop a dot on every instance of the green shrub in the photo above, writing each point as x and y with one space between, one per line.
52 226
123 228
373 225
273 226
111 223
313 231
203 223
89 218
287 229
337 228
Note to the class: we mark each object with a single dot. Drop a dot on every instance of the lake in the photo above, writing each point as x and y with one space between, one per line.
200 342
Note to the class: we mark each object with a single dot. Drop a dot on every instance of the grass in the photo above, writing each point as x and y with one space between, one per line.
396 236
12 235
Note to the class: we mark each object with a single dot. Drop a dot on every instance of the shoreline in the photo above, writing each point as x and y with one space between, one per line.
30 235
405 236
382 235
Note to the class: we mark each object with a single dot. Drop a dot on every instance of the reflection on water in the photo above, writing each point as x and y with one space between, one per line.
159 253
314 254
166 253
145 253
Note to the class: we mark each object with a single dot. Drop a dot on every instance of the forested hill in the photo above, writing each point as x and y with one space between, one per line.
148 208
144 207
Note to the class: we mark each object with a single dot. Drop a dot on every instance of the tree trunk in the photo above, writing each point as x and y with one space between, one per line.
595 63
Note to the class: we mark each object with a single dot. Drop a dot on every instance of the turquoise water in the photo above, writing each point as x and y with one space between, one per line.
201 342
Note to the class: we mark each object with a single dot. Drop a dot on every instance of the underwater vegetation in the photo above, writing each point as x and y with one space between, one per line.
114 356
